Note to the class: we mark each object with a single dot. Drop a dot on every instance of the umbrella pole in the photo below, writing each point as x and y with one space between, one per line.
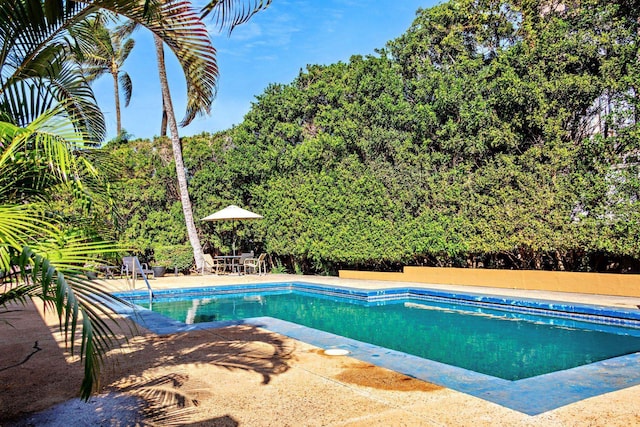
233 244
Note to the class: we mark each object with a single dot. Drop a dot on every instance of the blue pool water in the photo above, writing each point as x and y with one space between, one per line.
500 343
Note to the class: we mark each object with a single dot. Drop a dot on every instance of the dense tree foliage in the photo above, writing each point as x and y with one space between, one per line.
500 134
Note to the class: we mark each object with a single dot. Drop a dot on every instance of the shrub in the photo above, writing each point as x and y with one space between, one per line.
179 257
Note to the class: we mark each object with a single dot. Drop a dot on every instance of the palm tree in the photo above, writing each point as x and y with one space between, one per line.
34 60
48 117
176 146
227 14
101 51
41 254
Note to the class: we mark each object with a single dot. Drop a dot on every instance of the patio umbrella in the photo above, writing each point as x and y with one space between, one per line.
232 213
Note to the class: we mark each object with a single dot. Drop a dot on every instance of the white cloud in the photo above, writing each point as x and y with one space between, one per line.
268 30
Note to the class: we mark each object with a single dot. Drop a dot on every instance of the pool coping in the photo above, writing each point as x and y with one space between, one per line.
531 396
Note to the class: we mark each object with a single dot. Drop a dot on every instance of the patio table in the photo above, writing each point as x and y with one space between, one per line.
230 261
108 270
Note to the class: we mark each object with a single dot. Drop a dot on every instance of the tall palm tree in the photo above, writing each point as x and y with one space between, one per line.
48 114
101 51
176 146
227 14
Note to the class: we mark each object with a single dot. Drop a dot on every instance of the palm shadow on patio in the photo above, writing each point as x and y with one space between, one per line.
179 377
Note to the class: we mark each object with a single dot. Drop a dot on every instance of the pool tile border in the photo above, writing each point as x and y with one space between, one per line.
531 396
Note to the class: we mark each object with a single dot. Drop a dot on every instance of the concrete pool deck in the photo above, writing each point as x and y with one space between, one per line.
244 375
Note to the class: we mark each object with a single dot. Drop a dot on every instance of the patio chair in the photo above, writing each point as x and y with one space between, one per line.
131 264
258 265
212 265
239 264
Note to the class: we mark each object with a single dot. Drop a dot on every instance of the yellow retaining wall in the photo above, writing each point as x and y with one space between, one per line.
562 281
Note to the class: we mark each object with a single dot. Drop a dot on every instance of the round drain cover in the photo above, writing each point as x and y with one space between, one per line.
336 352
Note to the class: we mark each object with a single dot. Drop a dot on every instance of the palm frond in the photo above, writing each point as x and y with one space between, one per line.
78 302
125 29
230 13
93 73
51 80
20 293
72 251
127 47
50 153
24 174
180 28
76 96
37 25
28 27
25 99
127 87
25 179
19 222
34 66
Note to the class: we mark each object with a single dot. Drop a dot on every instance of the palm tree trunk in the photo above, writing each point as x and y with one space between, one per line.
117 96
163 123
177 155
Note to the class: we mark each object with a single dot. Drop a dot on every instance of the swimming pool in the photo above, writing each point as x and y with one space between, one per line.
471 328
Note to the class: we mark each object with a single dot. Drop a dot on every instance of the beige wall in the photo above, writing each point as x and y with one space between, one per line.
588 283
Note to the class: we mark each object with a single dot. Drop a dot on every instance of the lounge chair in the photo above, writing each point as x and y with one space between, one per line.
257 265
212 265
131 264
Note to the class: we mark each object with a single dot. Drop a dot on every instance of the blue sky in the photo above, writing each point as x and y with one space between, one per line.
271 48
